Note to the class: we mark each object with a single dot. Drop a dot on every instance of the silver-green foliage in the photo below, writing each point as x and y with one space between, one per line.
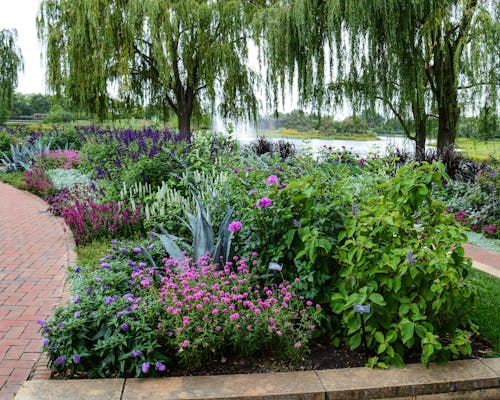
67 178
203 236
22 156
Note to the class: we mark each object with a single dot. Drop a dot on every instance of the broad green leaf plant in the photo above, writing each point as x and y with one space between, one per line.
401 253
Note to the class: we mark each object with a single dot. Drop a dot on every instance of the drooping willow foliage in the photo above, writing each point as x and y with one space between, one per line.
412 58
177 54
10 64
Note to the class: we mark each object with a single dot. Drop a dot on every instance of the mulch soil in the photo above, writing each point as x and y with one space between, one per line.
322 355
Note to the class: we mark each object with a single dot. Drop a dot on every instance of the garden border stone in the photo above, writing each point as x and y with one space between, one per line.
464 379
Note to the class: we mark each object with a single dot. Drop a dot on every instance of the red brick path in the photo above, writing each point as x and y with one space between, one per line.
483 256
35 250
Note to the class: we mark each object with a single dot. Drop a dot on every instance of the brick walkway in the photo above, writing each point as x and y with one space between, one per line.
35 250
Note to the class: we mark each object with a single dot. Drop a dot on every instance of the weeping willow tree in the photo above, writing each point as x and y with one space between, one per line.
183 55
11 64
410 57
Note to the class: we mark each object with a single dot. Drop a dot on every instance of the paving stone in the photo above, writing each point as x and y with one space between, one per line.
88 389
272 386
413 380
493 364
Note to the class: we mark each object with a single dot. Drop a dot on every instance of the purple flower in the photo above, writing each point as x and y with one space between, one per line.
296 223
410 258
41 322
265 202
145 367
272 180
109 300
151 246
114 241
59 360
235 226
77 314
124 327
45 341
135 353
362 162
160 367
106 265
137 250
76 358
75 300
77 270
236 170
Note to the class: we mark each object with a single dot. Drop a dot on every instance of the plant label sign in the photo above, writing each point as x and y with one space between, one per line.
361 308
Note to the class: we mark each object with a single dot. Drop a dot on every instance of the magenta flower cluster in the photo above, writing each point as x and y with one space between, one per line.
38 182
235 226
89 219
209 311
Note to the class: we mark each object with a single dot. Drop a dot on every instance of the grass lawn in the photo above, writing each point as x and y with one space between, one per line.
487 311
479 149
294 134
13 178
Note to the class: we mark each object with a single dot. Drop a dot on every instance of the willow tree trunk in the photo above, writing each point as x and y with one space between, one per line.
420 137
185 98
448 112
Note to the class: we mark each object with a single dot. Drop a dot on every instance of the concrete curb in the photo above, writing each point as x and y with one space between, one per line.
464 379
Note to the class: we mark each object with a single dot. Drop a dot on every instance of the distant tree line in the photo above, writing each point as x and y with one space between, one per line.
26 105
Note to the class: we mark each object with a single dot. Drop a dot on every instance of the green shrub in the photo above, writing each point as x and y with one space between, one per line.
6 139
401 253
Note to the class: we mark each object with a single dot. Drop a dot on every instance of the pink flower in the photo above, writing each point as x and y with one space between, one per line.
235 226
272 180
298 344
265 202
234 316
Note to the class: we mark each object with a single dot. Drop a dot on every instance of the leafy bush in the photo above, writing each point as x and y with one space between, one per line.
128 319
401 253
6 139
293 222
61 136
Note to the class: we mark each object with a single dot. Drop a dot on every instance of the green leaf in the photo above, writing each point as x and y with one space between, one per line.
377 299
379 337
407 331
381 348
403 309
355 341
391 336
428 350
289 238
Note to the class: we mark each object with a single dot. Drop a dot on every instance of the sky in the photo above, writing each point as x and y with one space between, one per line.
21 15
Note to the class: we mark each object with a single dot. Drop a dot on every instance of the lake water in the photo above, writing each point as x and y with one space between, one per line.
361 148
